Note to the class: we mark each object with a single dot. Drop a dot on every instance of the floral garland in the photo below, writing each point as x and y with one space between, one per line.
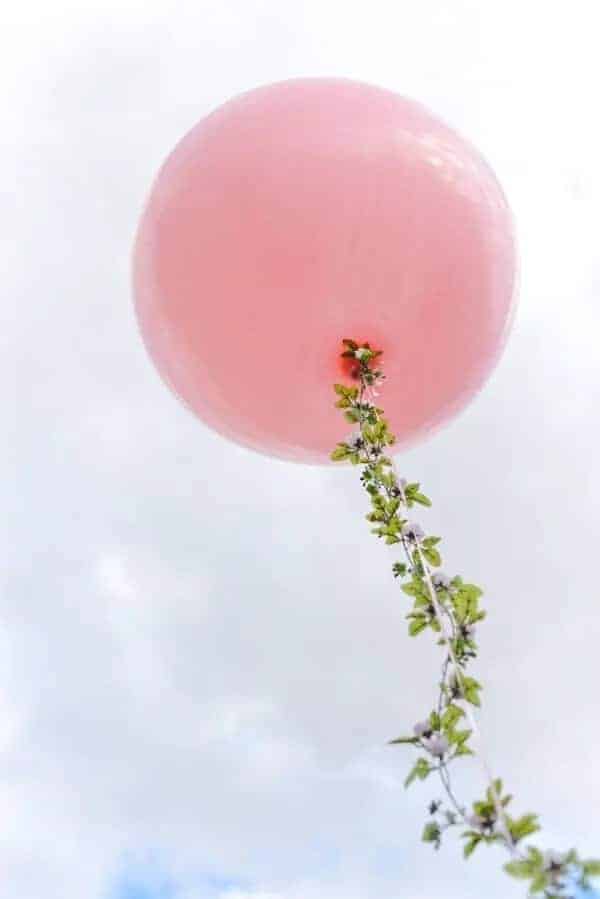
450 608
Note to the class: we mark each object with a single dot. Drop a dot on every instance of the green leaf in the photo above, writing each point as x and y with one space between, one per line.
422 602
471 845
497 783
399 740
591 867
432 556
393 525
450 717
342 390
342 451
536 856
539 883
416 626
421 769
461 606
485 809
473 697
399 569
463 750
434 720
470 689
523 827
431 833
523 870
460 737
421 499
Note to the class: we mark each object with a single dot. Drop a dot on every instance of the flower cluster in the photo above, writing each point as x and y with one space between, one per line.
449 607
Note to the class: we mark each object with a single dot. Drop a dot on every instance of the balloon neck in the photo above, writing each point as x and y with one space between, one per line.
350 367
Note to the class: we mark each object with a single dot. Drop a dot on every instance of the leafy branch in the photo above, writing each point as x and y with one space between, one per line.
450 609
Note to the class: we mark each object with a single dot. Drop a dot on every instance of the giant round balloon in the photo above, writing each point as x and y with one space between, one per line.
308 211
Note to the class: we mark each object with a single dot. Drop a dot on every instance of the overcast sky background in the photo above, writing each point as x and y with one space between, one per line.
202 650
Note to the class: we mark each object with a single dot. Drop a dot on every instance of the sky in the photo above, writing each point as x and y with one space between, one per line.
202 651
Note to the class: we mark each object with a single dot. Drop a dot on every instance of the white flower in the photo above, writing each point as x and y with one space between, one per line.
413 532
553 861
440 580
356 441
437 745
421 728
398 488
484 825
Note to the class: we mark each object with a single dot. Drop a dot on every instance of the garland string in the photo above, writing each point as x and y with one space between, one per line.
500 812
449 608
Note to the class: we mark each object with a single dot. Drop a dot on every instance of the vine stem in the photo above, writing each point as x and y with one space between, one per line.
547 874
439 612
445 778
441 617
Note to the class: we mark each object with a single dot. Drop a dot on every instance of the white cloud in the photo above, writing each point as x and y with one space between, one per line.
177 669
240 894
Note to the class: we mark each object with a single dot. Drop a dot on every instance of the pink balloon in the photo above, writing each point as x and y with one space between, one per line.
305 212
